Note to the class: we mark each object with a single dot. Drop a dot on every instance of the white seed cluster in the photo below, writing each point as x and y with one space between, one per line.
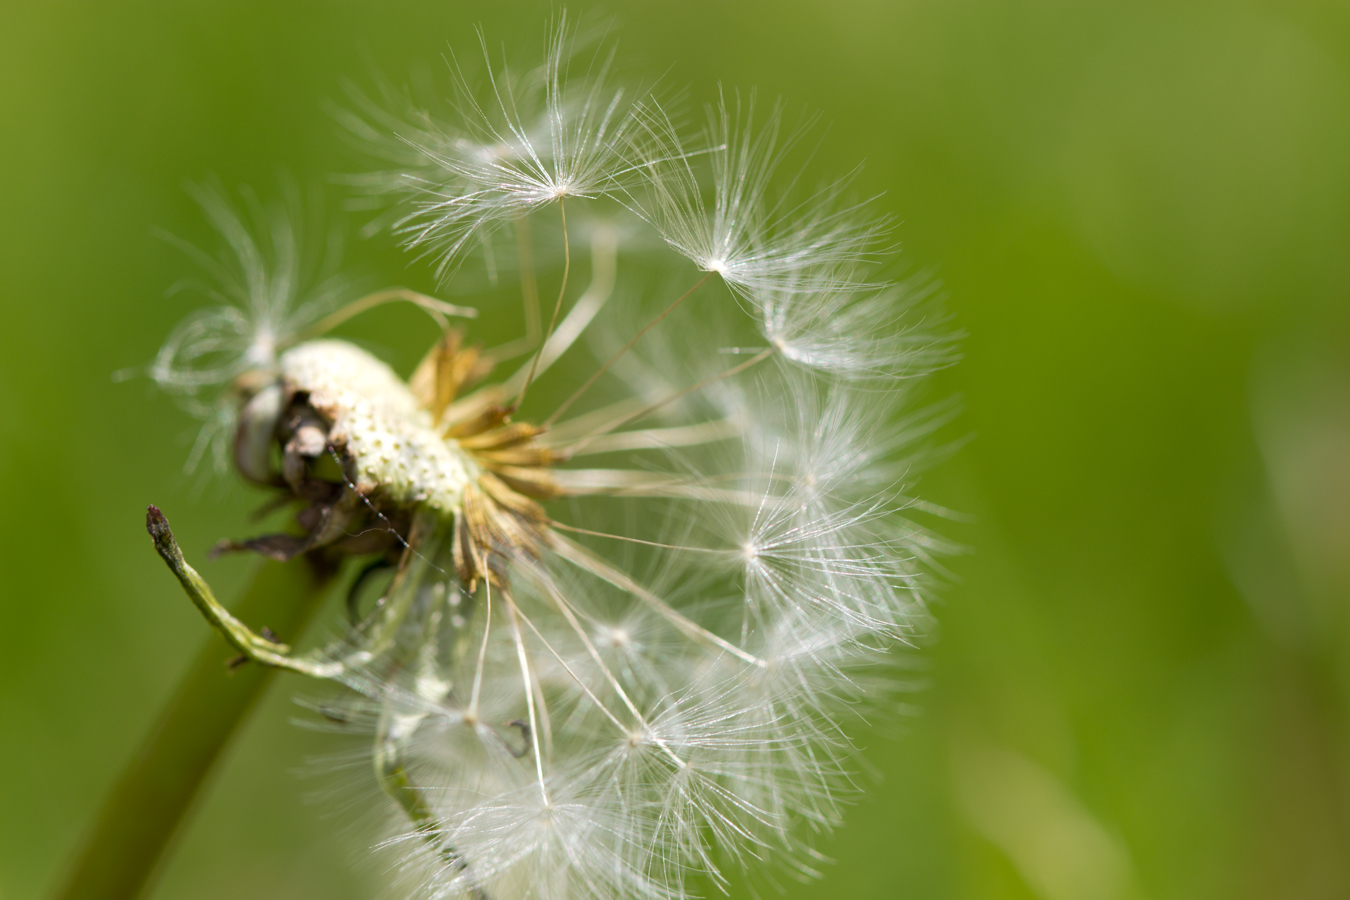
374 417
626 631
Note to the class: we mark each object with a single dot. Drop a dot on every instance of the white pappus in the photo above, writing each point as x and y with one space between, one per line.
629 607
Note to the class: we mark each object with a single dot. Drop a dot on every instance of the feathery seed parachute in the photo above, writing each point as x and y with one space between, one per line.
628 609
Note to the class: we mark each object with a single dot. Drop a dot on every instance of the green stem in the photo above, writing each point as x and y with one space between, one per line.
160 783
254 646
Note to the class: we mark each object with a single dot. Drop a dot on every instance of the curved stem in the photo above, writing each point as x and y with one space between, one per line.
254 646
161 782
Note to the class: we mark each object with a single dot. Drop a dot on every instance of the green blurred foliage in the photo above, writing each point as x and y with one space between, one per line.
1141 215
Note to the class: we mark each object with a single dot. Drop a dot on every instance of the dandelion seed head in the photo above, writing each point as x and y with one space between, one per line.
622 630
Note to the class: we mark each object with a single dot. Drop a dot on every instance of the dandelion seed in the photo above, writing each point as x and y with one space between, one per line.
719 203
516 142
592 681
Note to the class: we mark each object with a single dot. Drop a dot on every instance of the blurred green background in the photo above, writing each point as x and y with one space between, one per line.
1141 215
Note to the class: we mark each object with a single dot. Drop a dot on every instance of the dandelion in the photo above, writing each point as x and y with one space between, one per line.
627 615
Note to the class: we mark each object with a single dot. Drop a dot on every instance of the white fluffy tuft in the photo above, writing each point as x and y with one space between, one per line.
654 680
